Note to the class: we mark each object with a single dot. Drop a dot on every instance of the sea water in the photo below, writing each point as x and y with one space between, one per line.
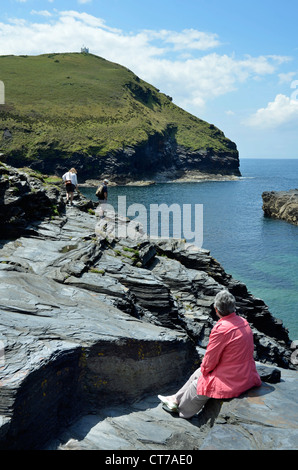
258 251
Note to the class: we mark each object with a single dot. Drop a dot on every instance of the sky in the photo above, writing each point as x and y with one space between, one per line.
232 63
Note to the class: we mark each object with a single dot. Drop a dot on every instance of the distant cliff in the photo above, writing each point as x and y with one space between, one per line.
281 205
64 110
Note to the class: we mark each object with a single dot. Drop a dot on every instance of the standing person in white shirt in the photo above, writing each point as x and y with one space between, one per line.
71 182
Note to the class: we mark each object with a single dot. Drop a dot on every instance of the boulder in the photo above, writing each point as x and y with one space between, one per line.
281 205
25 197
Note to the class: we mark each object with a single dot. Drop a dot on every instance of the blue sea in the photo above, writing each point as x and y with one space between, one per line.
260 252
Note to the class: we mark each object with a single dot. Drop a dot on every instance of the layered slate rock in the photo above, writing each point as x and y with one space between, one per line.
90 321
262 418
25 197
68 353
281 205
193 277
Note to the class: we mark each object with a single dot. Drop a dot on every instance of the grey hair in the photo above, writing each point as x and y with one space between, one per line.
225 302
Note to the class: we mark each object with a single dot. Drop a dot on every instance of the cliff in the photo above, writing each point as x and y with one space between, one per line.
281 205
64 110
93 327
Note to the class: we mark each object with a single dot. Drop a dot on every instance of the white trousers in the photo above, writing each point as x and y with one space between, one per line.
189 402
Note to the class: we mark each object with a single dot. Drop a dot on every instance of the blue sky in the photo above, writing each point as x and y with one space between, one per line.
229 62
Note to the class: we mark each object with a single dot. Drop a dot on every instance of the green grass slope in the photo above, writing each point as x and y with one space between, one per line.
80 103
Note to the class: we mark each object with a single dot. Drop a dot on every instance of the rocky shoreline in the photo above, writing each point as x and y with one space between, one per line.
281 205
187 177
93 326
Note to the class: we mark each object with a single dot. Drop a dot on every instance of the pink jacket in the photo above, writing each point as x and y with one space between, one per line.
228 368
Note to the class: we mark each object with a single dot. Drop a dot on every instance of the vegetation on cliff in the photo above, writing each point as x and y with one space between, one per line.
74 103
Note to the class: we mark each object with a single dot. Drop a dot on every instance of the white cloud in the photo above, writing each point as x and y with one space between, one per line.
193 82
282 110
85 20
41 13
187 39
286 77
153 55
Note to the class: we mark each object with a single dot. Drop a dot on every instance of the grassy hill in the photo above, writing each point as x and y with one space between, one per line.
74 103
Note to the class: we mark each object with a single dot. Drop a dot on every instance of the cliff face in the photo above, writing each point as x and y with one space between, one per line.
90 323
65 110
159 159
281 205
162 159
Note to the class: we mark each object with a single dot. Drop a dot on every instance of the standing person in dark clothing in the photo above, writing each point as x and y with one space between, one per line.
102 191
102 194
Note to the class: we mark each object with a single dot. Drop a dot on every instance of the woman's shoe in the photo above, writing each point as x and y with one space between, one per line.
167 404
170 410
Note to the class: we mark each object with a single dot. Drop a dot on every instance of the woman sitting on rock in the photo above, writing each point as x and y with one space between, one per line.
228 367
